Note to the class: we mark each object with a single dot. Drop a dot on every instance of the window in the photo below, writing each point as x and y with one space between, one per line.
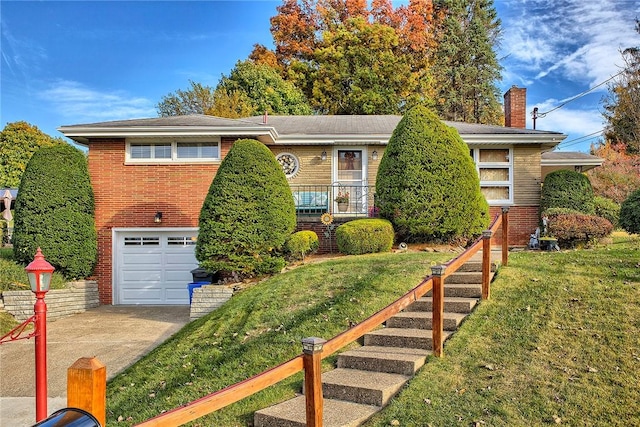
290 164
495 169
142 241
163 152
181 241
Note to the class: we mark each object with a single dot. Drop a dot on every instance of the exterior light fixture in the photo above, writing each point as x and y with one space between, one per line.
374 155
39 272
158 218
323 156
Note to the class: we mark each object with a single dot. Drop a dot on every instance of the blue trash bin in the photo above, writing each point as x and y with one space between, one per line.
194 285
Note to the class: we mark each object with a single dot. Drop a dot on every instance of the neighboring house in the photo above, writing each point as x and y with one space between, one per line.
150 177
570 160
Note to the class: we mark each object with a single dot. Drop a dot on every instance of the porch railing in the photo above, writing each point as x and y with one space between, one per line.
314 200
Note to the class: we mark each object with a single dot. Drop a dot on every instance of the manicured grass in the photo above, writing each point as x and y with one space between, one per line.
559 342
260 328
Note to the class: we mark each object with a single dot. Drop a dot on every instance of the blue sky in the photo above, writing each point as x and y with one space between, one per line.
71 62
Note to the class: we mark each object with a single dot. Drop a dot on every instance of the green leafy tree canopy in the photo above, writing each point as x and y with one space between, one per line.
18 142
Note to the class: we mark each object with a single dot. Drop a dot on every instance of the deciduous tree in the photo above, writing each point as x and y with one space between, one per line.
18 142
198 99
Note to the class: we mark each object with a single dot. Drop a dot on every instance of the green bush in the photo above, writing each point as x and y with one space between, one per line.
559 211
365 236
427 184
567 189
301 244
630 213
572 230
607 208
247 215
55 211
4 232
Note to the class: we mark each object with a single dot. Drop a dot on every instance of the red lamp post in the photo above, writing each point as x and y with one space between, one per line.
40 272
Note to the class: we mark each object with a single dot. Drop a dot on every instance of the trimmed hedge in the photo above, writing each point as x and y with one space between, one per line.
365 236
247 215
607 208
427 184
301 244
567 189
574 229
55 211
630 213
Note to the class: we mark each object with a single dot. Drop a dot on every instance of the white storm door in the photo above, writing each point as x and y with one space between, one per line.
350 175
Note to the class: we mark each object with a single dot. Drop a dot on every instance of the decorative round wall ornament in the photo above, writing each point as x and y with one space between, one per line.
290 164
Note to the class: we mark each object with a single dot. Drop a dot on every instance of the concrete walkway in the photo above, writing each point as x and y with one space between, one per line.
117 335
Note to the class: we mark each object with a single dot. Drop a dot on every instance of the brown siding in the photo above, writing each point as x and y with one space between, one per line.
526 175
313 170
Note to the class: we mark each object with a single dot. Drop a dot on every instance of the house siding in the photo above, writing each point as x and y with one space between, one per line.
526 171
129 195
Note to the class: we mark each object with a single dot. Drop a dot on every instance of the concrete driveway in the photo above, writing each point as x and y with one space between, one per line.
116 335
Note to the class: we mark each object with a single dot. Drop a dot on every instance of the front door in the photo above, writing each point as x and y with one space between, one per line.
349 176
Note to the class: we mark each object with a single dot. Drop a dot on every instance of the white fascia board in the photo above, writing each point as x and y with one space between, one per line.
333 140
513 139
83 134
572 162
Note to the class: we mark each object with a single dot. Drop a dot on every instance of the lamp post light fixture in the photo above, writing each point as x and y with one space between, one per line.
39 272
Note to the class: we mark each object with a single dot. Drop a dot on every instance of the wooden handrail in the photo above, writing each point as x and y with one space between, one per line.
221 398
367 325
246 388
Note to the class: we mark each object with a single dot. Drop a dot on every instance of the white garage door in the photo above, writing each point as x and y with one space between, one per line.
154 267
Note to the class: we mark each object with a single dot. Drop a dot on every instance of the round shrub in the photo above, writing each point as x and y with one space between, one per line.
55 211
247 215
365 236
427 184
607 208
301 244
575 229
567 189
630 213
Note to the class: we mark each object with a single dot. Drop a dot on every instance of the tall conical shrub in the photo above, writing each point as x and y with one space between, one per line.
427 184
55 211
247 215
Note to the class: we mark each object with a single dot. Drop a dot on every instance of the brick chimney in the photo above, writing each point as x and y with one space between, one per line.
515 107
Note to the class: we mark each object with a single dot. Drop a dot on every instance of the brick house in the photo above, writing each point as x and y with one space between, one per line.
150 177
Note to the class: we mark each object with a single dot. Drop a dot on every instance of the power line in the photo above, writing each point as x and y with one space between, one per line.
580 95
579 140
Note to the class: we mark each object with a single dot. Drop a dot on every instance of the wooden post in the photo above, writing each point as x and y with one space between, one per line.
312 356
505 235
437 319
87 387
486 262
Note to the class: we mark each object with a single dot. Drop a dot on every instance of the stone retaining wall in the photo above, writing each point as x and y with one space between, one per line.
207 298
78 297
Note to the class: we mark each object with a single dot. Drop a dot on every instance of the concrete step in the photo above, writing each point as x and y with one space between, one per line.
364 387
394 360
423 320
475 266
463 290
451 305
464 277
336 413
401 337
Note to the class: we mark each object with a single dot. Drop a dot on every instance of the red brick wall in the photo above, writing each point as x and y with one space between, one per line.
523 221
130 195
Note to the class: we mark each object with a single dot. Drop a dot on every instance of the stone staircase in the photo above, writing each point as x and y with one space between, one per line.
368 377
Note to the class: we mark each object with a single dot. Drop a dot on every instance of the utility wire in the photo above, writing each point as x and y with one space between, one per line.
579 140
580 95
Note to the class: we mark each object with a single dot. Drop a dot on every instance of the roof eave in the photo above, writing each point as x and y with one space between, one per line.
82 135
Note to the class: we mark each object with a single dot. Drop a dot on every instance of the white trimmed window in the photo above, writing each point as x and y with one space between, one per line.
169 152
495 169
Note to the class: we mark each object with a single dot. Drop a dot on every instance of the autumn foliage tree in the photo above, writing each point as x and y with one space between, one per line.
619 174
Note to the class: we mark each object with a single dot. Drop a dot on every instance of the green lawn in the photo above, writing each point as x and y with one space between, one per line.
559 342
260 328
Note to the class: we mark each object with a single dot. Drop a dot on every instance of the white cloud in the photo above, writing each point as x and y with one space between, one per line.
575 39
77 102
